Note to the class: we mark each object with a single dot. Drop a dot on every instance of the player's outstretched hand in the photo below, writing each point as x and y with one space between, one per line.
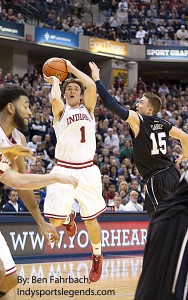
12 152
49 232
181 158
68 180
94 71
51 79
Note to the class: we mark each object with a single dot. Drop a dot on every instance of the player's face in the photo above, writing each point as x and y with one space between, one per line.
143 107
73 94
22 113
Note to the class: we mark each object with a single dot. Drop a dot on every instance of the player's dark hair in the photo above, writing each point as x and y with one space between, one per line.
9 94
74 80
155 102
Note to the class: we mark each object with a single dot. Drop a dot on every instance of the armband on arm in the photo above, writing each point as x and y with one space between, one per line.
110 102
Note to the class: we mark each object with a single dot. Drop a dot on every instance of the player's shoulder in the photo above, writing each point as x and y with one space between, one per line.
166 122
82 105
154 119
18 133
86 110
19 136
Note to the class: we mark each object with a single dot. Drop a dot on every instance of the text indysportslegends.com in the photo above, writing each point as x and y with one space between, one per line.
64 292
32 292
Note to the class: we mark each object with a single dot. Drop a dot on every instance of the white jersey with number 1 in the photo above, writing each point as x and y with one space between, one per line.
75 133
75 150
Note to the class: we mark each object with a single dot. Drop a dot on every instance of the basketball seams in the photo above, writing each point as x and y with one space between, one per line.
57 70
48 64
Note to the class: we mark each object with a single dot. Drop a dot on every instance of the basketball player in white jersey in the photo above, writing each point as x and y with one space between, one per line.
74 125
14 109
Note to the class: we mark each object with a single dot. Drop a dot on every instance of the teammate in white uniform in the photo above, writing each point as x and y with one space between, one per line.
14 109
74 125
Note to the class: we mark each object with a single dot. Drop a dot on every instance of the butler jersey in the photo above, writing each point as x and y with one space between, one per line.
5 141
75 130
150 145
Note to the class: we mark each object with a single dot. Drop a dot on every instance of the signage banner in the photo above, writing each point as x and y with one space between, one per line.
11 29
56 37
176 53
26 240
107 46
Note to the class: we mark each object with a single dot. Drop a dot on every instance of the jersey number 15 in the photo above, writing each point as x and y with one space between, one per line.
158 143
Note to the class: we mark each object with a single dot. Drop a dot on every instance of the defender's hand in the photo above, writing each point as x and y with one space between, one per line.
94 71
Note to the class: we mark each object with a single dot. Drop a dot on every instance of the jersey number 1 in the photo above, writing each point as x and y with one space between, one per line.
82 129
158 143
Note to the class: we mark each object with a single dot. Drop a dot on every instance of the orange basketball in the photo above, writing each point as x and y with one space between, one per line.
55 66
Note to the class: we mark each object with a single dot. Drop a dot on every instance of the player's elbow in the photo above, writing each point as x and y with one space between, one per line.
184 137
53 100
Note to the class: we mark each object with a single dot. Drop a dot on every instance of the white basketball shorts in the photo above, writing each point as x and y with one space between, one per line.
60 197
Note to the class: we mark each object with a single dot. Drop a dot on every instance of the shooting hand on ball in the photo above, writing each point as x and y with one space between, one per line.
51 79
68 63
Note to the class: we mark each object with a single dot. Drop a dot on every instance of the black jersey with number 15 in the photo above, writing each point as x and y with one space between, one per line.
150 145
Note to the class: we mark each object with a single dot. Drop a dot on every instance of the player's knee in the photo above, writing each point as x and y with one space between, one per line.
9 282
2 274
14 280
2 271
91 223
56 222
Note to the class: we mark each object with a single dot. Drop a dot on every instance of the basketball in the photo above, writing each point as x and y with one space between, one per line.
55 66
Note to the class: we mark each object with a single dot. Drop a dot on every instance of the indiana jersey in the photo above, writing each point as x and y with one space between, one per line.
5 141
150 145
75 133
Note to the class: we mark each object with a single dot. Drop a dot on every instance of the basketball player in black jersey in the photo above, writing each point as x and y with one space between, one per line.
165 263
151 135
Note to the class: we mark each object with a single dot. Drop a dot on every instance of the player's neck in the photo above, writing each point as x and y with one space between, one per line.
7 126
75 106
149 114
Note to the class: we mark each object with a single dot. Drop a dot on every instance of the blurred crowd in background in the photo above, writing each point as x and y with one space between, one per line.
142 22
